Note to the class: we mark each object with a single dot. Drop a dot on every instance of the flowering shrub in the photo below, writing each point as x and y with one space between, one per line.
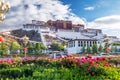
9 61
59 68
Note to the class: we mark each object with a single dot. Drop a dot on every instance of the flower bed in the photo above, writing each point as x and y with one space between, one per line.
68 68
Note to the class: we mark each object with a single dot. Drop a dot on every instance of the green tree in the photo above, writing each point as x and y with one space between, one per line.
100 49
30 48
88 49
83 49
3 48
39 47
57 47
94 48
14 46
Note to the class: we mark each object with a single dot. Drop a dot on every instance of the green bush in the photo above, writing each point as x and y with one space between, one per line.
57 64
66 69
28 72
16 72
11 73
4 65
2 52
36 74
97 71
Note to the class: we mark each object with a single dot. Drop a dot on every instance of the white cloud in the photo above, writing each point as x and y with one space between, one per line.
109 24
90 8
47 9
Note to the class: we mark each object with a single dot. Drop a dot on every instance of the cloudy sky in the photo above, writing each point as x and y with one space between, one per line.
100 14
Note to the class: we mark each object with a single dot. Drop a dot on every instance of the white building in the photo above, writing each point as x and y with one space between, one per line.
77 35
76 45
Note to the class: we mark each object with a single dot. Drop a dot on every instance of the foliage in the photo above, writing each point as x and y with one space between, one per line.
88 49
30 48
27 72
94 48
39 47
57 47
4 65
100 49
3 48
68 68
11 73
14 46
83 49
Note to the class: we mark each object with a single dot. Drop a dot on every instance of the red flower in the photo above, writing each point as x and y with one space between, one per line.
1 39
25 49
107 50
91 62
107 64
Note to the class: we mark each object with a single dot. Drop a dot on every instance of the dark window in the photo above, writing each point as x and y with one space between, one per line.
79 43
87 43
74 43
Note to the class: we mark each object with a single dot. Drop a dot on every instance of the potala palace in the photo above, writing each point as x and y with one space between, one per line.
74 34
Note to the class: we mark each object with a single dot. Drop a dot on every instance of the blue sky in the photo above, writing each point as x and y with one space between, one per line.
92 9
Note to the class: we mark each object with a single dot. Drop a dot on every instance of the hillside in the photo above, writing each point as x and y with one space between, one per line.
33 35
17 35
8 39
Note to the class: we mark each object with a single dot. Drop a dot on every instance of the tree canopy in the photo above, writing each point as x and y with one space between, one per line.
38 47
100 49
57 47
94 48
14 46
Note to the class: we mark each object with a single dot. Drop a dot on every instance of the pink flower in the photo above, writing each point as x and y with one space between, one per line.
97 65
93 73
89 69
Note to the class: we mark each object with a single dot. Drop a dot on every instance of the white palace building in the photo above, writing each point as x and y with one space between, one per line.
75 36
76 45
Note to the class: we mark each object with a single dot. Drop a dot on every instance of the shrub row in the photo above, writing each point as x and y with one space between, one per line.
15 73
